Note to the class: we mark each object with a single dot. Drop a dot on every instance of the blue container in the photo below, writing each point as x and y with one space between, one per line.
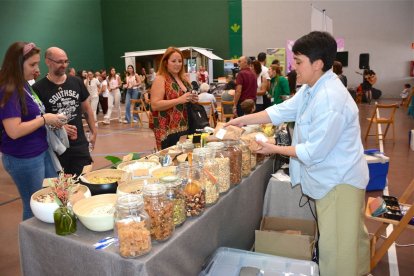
378 165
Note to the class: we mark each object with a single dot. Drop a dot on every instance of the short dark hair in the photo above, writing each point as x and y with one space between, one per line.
407 85
317 45
261 57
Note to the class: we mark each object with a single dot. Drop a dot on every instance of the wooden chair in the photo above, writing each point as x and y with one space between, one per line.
211 118
140 109
224 116
389 120
399 226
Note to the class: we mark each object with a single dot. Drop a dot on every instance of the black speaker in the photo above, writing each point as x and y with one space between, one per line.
363 61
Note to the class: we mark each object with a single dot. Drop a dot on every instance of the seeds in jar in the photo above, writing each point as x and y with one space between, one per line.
179 215
133 237
212 194
161 217
223 174
246 163
195 199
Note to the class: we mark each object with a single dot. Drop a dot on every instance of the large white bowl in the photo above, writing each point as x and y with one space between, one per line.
135 186
44 211
84 209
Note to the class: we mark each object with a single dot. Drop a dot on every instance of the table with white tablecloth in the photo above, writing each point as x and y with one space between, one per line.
230 222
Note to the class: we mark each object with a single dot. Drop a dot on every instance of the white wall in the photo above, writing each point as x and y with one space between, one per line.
384 29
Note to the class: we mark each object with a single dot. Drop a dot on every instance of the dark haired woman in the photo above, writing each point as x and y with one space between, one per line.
327 155
133 82
24 144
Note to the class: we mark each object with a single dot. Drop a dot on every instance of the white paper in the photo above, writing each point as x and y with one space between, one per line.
220 134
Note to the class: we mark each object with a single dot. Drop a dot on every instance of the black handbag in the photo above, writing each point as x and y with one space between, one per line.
197 118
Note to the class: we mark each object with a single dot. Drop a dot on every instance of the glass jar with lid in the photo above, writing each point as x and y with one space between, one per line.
223 163
246 159
174 192
160 210
187 146
132 226
204 157
235 154
193 189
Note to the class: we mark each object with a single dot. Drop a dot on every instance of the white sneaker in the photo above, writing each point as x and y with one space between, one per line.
125 122
120 120
106 122
135 121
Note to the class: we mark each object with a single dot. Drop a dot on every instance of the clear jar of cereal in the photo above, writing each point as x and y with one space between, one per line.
132 226
222 159
193 189
253 160
160 210
174 191
235 155
246 159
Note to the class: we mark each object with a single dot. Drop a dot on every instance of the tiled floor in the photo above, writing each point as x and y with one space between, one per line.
120 139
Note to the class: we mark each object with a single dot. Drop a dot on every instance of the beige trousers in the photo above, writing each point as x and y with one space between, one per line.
344 242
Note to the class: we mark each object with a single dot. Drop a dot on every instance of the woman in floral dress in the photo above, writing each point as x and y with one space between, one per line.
170 92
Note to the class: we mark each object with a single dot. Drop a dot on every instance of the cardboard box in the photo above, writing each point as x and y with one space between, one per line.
271 240
378 169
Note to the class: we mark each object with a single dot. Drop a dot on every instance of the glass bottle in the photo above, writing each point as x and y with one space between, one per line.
193 189
246 159
65 221
132 226
174 191
160 210
223 163
235 155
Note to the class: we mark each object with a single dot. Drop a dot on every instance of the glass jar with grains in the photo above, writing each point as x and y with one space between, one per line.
132 226
160 209
246 159
174 191
223 163
194 193
235 153
205 158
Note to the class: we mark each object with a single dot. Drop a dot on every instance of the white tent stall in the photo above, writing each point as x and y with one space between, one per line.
194 57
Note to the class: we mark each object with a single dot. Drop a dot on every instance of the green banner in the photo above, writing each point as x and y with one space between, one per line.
235 28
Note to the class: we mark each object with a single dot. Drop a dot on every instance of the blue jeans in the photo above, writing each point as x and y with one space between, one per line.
28 175
130 94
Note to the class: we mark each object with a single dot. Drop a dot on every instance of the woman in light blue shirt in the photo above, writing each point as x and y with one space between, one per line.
327 156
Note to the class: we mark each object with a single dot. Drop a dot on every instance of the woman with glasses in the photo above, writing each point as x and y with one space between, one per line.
23 123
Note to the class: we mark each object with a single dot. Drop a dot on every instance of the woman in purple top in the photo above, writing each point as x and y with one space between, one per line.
23 143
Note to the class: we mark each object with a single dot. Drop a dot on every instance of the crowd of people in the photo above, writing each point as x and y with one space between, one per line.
326 152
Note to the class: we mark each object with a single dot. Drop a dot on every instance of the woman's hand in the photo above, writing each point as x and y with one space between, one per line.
194 98
186 97
267 148
55 120
235 122
72 132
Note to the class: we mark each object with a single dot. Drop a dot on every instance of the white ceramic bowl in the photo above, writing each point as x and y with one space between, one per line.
134 186
97 212
44 210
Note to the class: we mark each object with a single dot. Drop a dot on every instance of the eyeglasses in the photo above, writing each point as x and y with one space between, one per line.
60 62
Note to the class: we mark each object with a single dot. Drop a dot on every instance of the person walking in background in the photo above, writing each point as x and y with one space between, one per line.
133 81
23 121
329 165
66 94
105 95
337 69
262 101
246 82
170 92
114 98
94 87
151 76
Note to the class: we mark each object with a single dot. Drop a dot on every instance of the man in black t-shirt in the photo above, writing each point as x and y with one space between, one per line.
61 93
